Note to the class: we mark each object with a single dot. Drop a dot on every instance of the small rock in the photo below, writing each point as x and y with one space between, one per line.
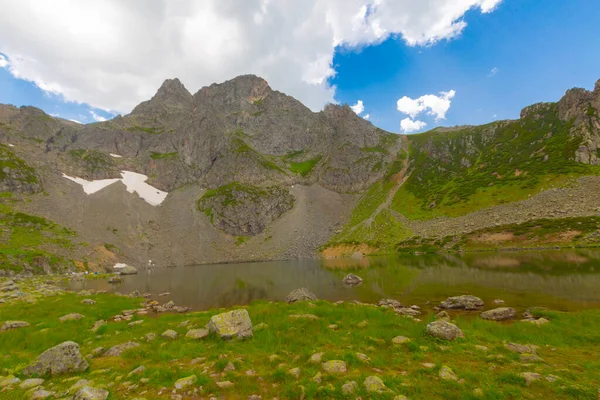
225 384
335 367
150 336
333 327
443 315
41 394
478 392
31 383
120 348
481 348
363 357
318 378
97 325
530 377
316 358
352 280
260 327
498 301
169 334
9 381
465 302
520 348
13 325
304 316
91 393
444 330
349 388
229 367
362 324
389 303
88 301
400 340
539 321
552 378
499 314
295 372
184 383
197 334
71 317
447 374
137 371
301 294
529 357
136 323
374 384
428 365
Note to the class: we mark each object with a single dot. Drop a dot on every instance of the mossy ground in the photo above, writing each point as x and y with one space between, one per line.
569 346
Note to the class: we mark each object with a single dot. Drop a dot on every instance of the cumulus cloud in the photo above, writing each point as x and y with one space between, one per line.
98 118
113 54
358 108
367 116
408 125
493 71
431 104
3 61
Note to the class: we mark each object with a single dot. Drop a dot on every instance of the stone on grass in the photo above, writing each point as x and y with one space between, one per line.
389 303
498 301
352 280
465 302
197 334
349 388
120 348
184 383
335 367
31 383
88 302
295 372
13 325
225 384
520 348
229 367
530 377
447 374
304 316
91 393
444 330
499 314
374 384
538 322
260 327
363 357
443 315
41 394
78 385
71 317
150 336
169 334
316 358
301 294
137 371
61 359
97 325
529 357
232 324
400 340
8 381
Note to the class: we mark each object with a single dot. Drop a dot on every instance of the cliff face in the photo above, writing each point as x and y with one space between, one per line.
239 159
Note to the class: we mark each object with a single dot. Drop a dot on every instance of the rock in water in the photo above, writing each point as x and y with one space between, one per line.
91 393
129 270
61 359
444 330
465 302
352 280
499 314
13 325
232 324
301 294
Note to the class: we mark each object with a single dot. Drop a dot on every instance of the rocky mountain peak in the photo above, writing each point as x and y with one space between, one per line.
238 91
171 95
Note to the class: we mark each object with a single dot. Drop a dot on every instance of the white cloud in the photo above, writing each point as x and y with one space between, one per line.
113 54
434 105
367 116
358 108
97 117
408 125
3 61
493 72
74 120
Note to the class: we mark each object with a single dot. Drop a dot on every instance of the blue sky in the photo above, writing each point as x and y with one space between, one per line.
523 52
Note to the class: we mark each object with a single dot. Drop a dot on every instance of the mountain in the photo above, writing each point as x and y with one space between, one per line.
238 171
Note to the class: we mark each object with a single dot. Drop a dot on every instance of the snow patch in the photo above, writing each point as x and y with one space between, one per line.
11 145
132 180
119 266
115 155
90 187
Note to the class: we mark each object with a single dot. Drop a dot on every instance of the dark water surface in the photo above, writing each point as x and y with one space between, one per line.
560 280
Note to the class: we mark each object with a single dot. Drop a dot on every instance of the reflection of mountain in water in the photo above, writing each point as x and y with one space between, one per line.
245 294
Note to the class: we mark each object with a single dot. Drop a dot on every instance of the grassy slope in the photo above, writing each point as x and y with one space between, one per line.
569 345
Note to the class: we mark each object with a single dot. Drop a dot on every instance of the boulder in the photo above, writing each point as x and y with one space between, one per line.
13 325
61 359
352 280
128 270
442 315
335 367
447 374
41 394
465 302
400 340
444 330
184 383
169 334
232 324
530 377
91 393
349 388
120 348
301 294
31 383
71 317
374 384
520 348
389 303
499 314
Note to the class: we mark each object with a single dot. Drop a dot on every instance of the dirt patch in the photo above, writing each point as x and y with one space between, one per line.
562 237
356 251
494 237
518 172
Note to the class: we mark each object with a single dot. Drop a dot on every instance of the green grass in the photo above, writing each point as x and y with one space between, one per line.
163 156
569 344
304 168
241 147
149 130
93 161
9 160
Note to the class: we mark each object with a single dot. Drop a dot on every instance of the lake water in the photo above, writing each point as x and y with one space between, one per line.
560 280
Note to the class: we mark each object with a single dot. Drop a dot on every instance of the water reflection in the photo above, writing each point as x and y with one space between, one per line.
556 279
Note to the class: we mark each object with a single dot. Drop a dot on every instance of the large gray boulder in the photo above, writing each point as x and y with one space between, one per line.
444 330
301 294
352 280
232 324
465 302
61 359
13 325
499 314
128 270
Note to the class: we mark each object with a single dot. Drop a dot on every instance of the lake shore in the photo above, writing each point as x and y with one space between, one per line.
386 354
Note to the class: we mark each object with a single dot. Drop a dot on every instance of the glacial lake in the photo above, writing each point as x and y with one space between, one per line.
559 280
